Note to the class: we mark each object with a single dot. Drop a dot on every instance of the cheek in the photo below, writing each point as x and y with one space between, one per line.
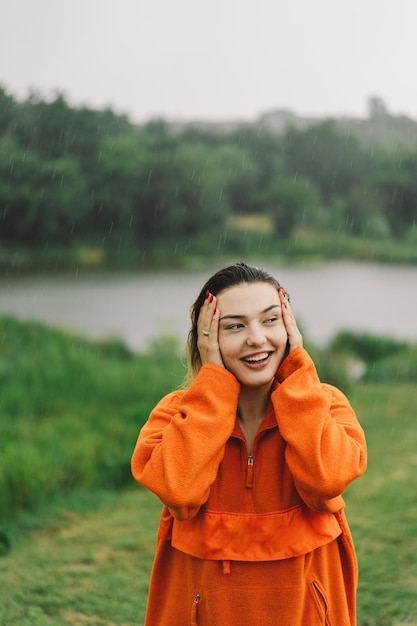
226 346
279 334
284 334
222 344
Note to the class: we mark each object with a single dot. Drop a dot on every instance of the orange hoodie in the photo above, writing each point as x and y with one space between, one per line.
259 539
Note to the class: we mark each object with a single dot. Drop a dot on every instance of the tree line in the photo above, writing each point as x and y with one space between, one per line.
73 175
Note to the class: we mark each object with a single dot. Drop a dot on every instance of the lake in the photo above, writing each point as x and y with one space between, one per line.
137 307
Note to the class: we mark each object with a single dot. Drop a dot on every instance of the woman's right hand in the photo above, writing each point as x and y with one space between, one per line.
208 332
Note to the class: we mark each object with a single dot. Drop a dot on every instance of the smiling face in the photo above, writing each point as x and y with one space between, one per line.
252 334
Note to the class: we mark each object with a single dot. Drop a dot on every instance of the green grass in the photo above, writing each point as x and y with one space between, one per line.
77 535
87 563
382 505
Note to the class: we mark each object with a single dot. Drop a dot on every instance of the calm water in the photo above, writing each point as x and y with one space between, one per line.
138 307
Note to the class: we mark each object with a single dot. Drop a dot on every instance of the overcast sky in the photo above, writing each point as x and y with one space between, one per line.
213 60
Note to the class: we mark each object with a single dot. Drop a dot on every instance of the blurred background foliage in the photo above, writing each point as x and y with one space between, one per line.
76 178
71 410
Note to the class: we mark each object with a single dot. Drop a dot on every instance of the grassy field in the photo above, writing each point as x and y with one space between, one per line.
82 555
382 506
82 565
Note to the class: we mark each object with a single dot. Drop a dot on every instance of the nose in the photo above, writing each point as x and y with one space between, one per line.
256 336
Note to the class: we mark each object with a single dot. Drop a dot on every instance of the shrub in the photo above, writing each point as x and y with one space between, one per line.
366 346
384 358
71 410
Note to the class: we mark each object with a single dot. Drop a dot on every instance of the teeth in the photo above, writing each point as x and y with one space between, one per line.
258 357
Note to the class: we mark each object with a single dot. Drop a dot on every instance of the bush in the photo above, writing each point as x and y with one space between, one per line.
383 358
400 367
332 367
366 346
71 410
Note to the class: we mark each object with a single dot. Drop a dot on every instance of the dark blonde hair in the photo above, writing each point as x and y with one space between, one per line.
223 279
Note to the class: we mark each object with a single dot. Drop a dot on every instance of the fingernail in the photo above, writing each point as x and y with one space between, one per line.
284 293
207 295
285 305
211 297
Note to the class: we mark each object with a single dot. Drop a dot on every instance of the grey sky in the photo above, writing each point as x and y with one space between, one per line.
187 59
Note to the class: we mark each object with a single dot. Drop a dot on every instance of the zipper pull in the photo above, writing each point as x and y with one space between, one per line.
194 610
249 473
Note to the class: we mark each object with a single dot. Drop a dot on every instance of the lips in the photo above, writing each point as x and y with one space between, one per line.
256 358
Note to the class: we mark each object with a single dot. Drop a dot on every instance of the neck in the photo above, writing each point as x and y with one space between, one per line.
252 404
251 410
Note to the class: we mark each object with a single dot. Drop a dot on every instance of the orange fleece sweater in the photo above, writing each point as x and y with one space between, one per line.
258 539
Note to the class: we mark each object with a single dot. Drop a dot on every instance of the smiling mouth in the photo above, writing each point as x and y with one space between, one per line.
257 358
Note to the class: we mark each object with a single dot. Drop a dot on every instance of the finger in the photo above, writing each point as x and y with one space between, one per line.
202 318
207 328
283 299
294 336
206 315
214 326
287 313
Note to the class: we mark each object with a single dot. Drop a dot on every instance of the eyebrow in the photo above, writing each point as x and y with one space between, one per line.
239 317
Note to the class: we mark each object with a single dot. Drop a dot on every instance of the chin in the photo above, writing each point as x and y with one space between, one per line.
254 382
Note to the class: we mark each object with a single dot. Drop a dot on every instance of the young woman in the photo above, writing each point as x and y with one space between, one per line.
250 462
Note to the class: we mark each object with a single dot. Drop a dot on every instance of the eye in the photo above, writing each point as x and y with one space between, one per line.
234 326
272 319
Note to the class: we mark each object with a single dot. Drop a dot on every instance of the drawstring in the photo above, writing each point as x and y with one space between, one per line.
226 567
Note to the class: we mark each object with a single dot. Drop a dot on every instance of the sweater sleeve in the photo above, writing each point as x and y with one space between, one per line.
326 448
181 446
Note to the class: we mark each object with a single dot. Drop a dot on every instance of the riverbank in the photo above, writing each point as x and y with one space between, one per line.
305 248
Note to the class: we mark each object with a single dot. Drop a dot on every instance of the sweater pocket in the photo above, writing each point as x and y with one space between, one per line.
319 598
249 605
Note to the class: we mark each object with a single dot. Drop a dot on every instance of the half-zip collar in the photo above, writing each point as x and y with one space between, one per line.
268 422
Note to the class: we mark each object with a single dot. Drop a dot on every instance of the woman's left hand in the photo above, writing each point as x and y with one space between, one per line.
295 338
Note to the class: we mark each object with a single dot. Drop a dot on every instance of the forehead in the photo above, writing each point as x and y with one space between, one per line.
247 297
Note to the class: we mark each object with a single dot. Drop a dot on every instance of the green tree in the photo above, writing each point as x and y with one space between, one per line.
395 179
8 108
56 129
116 185
261 163
41 201
360 212
332 160
181 191
291 202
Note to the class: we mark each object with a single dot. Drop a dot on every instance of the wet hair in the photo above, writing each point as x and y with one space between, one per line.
225 278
